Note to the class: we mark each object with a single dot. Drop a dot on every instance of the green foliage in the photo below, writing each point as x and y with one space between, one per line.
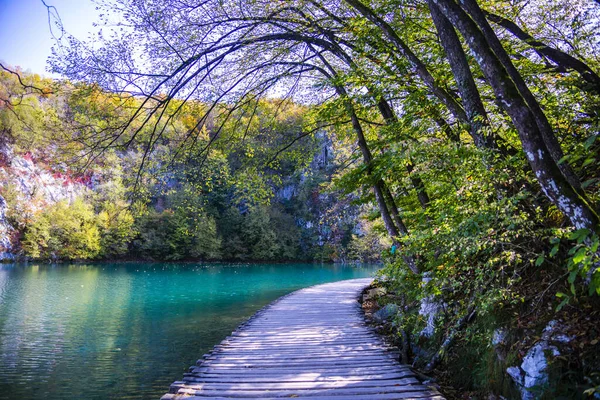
262 233
116 230
582 261
115 219
208 202
481 238
63 231
181 231
366 247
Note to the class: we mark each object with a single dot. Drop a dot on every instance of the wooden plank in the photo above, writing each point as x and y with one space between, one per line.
313 344
306 364
298 358
277 347
307 377
295 385
351 370
430 395
305 393
257 353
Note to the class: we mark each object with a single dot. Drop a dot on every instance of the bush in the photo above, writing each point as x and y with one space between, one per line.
63 231
116 230
184 231
264 233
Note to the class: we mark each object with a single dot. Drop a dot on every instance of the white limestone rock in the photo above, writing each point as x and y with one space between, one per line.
499 337
5 230
533 370
429 309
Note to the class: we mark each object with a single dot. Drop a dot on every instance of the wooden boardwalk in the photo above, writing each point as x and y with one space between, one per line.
311 343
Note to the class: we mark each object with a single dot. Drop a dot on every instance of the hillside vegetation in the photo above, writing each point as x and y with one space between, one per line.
241 200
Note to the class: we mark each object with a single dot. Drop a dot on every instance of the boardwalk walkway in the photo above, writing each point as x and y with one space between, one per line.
311 343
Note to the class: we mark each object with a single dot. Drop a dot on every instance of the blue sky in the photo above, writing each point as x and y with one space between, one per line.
25 38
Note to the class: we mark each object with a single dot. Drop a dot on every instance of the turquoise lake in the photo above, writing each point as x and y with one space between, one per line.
127 331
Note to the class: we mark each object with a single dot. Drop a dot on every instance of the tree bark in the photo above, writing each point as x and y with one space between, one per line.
447 129
379 190
394 209
552 144
390 117
552 181
419 186
418 66
379 187
450 338
562 59
459 64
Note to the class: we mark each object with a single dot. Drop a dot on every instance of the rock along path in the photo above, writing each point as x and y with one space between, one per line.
311 343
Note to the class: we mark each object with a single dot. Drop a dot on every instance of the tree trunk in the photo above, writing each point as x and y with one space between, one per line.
445 127
544 126
419 186
390 117
562 59
459 64
418 66
552 181
450 338
394 209
379 186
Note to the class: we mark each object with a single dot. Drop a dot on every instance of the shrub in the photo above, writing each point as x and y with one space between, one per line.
63 231
176 234
116 225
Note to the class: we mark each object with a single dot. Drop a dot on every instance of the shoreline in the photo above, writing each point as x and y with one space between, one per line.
185 262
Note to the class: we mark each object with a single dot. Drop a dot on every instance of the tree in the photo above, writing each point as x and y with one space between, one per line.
63 232
232 56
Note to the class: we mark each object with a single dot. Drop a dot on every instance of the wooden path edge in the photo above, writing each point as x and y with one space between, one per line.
311 343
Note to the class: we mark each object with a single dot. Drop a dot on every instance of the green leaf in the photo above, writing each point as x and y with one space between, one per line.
588 182
588 161
579 256
562 304
589 142
554 251
579 234
539 260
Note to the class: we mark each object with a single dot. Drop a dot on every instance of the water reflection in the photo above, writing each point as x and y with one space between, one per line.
128 330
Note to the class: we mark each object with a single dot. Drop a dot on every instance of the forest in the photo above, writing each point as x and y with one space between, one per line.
246 202
461 150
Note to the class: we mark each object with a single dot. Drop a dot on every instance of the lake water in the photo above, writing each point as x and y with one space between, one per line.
127 331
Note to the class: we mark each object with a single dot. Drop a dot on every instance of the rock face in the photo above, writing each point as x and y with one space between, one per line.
287 192
499 341
532 373
374 293
33 188
325 156
5 232
327 219
33 182
499 337
385 313
429 309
